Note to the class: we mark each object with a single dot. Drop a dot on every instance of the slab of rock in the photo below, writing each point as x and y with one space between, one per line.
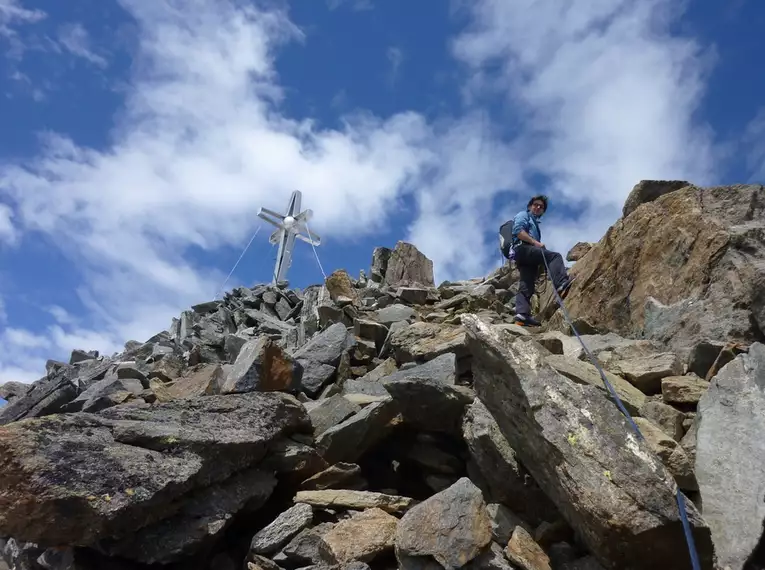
341 288
698 285
579 250
329 412
407 267
13 390
282 529
586 373
730 454
262 365
380 257
370 330
451 527
666 417
649 190
427 397
320 356
525 552
77 478
606 483
683 390
202 519
646 372
423 341
508 481
395 313
354 436
201 380
362 537
337 476
356 500
671 453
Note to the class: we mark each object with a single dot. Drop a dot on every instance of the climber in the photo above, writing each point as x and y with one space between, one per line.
520 241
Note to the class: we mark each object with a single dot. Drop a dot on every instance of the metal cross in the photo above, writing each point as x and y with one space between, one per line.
289 226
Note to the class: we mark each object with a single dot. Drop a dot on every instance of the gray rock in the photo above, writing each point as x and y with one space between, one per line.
307 548
703 356
413 295
508 481
282 529
395 313
648 191
96 398
329 412
202 518
380 257
264 366
730 454
350 439
370 330
579 448
452 527
11 391
666 417
74 479
492 558
426 401
320 356
338 476
407 267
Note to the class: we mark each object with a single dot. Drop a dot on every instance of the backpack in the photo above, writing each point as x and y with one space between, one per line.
506 240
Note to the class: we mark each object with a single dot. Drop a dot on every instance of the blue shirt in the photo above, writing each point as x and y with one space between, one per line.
527 222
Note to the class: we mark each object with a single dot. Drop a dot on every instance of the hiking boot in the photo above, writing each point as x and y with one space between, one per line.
526 321
564 288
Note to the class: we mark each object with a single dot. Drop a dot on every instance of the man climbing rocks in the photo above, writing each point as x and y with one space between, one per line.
522 235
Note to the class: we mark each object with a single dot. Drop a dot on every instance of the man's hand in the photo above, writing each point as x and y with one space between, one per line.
539 244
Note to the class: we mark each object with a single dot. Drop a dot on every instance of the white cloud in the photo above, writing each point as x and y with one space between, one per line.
8 233
13 14
75 39
604 97
355 5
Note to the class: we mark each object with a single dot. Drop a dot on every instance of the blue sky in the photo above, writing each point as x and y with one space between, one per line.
138 139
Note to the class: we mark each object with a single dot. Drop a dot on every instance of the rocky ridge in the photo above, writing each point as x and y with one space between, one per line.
384 422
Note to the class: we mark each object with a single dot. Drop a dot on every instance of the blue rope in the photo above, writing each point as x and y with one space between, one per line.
679 496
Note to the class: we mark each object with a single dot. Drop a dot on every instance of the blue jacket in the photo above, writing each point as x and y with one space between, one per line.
526 221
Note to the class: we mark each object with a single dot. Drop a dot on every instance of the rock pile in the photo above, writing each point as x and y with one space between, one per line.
384 422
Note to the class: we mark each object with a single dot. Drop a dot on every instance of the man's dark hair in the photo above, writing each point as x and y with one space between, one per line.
542 198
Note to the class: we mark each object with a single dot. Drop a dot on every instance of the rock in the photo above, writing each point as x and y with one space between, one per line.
380 257
308 548
282 529
672 455
76 478
525 552
321 355
262 365
337 476
585 373
204 517
394 314
646 372
354 436
508 481
451 527
697 285
370 330
359 500
423 341
200 380
492 558
730 451
98 396
340 287
427 398
666 417
579 250
413 295
649 190
330 412
363 536
703 355
579 448
407 267
503 522
683 390
11 391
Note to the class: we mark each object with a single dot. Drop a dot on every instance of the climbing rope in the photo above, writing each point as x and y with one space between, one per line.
679 496
316 255
237 263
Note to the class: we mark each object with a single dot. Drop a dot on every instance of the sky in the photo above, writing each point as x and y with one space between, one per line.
139 139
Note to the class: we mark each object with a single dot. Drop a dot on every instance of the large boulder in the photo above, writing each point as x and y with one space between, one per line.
685 267
75 479
730 455
606 483
407 266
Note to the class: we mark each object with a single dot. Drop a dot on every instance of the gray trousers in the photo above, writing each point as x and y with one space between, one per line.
528 258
